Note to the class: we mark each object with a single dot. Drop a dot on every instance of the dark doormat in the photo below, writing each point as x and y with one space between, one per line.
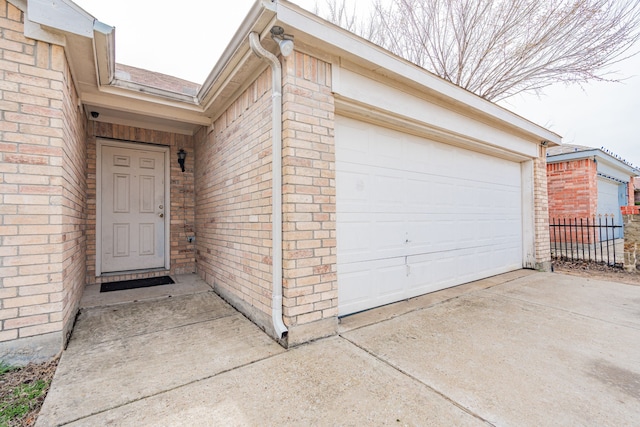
138 283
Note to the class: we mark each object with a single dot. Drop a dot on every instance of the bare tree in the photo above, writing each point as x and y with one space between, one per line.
498 48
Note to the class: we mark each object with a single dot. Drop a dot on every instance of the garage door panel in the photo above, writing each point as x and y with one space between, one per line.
386 150
354 194
440 214
438 271
384 281
386 196
608 197
370 236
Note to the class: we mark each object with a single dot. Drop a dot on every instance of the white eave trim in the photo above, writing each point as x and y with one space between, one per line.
104 48
62 15
237 49
293 16
597 155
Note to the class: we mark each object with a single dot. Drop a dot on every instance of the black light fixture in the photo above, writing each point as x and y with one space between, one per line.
181 156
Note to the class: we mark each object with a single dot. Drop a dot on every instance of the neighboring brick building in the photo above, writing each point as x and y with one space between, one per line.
586 182
387 182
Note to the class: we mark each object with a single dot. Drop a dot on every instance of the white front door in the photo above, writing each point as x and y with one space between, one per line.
133 208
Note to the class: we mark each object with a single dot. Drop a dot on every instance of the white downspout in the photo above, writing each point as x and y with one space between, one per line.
276 175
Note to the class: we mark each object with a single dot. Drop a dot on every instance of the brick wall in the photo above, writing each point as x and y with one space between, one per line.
541 212
41 209
630 210
310 294
572 188
233 199
233 203
182 197
74 206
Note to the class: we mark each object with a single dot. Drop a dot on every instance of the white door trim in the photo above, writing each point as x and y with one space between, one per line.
100 142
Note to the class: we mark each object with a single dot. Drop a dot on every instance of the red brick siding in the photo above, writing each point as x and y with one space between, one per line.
572 188
630 210
182 201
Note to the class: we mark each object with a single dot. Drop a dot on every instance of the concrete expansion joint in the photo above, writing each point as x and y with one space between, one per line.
413 378
168 390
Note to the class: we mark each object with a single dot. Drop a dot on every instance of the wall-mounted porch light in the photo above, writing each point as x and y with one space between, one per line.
181 156
285 41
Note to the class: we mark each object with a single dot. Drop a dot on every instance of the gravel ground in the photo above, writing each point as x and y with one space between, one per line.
597 271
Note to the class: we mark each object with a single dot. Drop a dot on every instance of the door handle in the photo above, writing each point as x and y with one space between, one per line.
161 215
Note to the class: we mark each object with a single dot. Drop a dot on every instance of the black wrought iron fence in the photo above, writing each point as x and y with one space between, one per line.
587 239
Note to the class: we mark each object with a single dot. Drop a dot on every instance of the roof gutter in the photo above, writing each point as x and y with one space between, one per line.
225 63
276 182
104 48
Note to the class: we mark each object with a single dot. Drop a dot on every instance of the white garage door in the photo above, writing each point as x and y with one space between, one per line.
415 216
610 194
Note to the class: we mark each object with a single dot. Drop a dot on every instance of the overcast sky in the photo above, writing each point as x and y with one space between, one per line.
185 39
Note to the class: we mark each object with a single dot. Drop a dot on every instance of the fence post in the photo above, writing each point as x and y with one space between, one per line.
631 241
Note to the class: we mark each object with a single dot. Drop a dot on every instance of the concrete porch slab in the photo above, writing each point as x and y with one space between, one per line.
120 321
139 350
185 284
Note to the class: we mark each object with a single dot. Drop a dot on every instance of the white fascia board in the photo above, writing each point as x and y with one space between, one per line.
432 116
122 99
606 164
357 47
33 30
104 47
236 48
615 168
63 15
606 171
576 155
404 124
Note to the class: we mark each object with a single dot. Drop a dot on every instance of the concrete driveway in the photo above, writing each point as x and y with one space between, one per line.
524 348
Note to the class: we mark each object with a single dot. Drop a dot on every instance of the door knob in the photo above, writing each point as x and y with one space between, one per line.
161 215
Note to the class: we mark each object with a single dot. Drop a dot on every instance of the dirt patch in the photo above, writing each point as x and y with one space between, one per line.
597 271
22 392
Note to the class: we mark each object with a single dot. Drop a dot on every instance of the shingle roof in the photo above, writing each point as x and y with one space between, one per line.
156 80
